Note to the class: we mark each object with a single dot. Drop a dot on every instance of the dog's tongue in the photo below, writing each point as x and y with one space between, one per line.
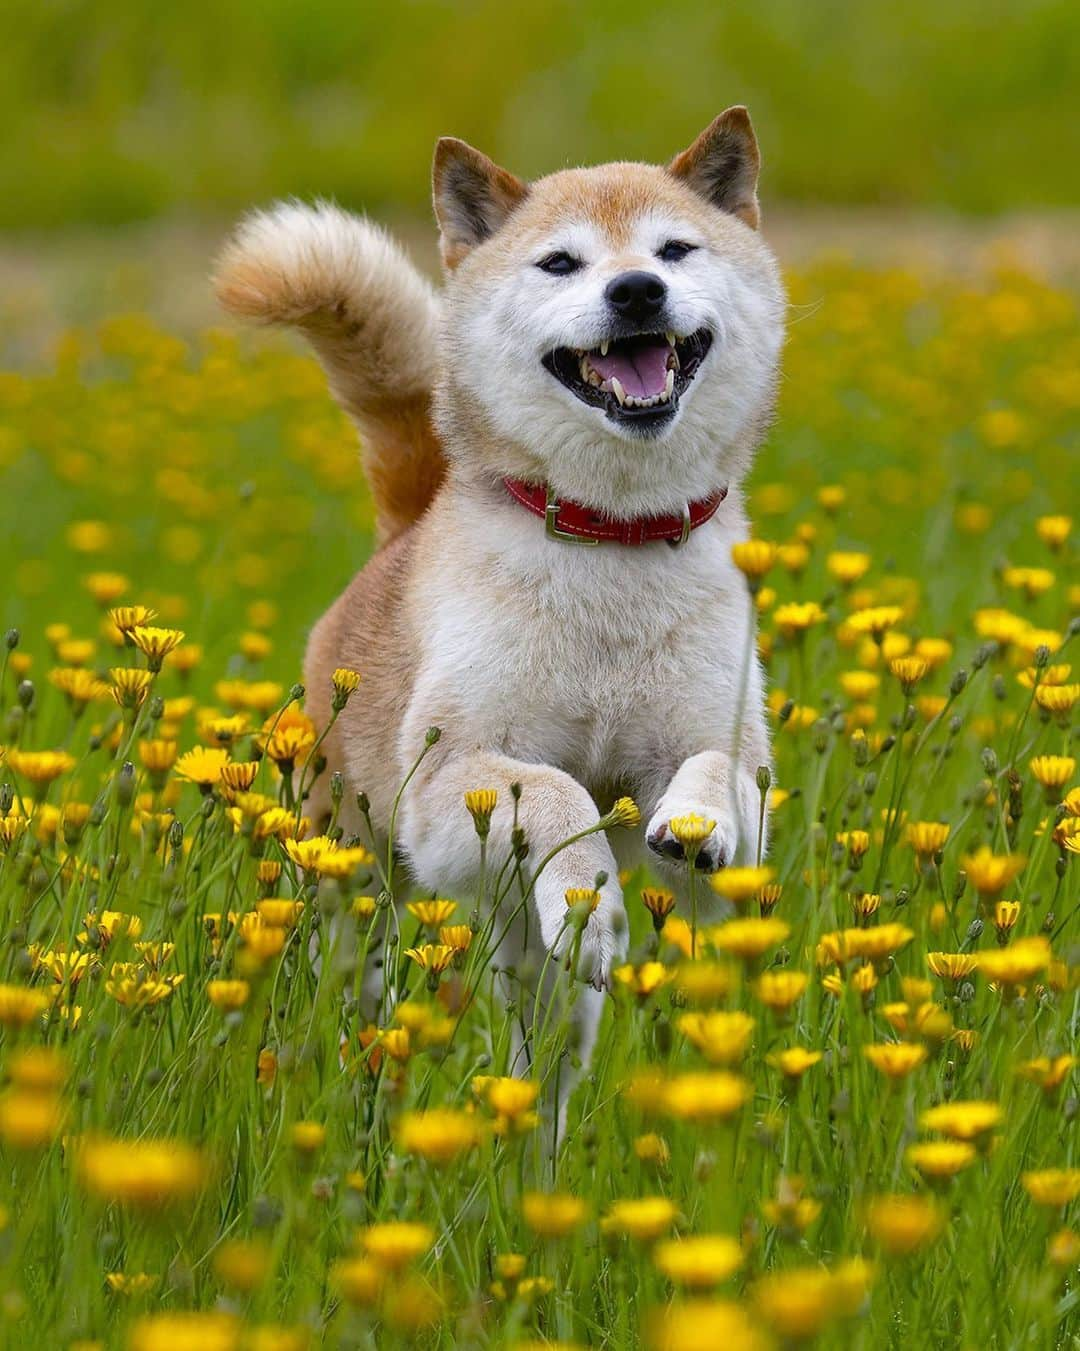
641 368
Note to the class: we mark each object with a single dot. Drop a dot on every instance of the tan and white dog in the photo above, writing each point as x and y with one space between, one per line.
602 359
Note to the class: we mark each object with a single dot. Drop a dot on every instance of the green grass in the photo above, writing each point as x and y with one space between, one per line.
113 112
940 417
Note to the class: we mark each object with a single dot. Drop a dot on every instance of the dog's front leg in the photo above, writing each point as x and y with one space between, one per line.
438 837
714 786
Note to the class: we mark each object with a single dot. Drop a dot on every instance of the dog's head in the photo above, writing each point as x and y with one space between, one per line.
612 331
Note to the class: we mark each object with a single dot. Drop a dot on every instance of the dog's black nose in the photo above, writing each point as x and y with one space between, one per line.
636 295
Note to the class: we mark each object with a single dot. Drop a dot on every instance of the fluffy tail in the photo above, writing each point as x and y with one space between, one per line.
371 318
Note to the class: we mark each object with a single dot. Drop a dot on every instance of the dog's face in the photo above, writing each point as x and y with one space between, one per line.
612 331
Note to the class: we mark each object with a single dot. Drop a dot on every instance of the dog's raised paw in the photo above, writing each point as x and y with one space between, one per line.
714 853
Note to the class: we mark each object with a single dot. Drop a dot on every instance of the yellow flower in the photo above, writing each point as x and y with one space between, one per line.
797 1303
512 1101
238 776
652 1148
1018 963
739 885
794 618
721 1037
439 1134
359 1279
480 803
155 644
793 1061
778 990
20 1005
860 686
1048 1074
700 1262
584 896
1063 1249
952 965
456 936
1052 1187
397 1243
874 620
927 838
991 873
106 587
433 957
847 567
704 982
855 842
287 737
1053 531
141 991
1031 581
754 557
203 765
130 685
940 1158
895 1059
40 767
908 671
228 995
29 1118
432 913
135 1283
1058 700
791 1211
704 1097
691 830
144 1174
127 618
903 1225
643 980
645 1219
185 1332
78 686
1053 772
750 938
659 904
705 1325
243 1264
553 1214
624 813
971 1120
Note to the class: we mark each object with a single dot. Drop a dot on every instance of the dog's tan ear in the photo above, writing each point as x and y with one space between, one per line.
722 165
473 197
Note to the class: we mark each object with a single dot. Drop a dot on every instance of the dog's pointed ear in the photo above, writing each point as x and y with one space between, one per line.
722 165
473 197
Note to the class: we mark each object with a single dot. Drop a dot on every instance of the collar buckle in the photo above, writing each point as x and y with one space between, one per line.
551 527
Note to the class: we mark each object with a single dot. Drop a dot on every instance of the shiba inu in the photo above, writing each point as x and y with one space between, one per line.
555 445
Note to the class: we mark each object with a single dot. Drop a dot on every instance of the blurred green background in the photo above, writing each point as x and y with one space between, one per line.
117 111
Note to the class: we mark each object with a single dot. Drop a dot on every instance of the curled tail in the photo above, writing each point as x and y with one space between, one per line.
371 318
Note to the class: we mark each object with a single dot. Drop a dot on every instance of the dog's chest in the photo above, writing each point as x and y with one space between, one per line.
578 656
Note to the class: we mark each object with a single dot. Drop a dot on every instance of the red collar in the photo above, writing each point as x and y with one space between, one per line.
575 524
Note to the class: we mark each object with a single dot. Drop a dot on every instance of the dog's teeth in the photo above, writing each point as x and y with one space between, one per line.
604 346
618 391
670 339
584 367
673 362
670 385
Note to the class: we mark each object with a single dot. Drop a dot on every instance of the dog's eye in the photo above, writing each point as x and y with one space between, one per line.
674 250
559 264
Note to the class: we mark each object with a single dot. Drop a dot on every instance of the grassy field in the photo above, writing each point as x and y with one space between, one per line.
113 113
846 1113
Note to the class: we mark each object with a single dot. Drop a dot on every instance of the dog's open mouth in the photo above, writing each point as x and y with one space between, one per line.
637 379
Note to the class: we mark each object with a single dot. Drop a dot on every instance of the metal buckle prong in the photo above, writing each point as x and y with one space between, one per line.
687 526
551 529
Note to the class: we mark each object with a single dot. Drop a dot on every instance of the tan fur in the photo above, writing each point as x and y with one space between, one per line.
371 318
578 674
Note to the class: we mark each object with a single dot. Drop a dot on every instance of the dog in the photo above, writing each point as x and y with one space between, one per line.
555 445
